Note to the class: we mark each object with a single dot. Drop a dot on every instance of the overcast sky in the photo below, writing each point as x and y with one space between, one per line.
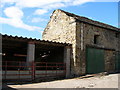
28 18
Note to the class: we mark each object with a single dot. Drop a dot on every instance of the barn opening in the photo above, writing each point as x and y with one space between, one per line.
13 52
24 58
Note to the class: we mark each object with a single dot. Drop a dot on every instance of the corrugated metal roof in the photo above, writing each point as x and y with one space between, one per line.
5 36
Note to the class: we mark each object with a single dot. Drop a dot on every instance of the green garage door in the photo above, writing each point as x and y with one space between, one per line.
118 61
95 60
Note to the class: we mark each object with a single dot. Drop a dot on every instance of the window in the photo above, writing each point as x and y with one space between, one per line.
96 39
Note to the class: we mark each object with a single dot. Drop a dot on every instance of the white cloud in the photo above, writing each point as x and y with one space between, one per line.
78 2
32 3
13 12
55 5
18 23
40 11
50 3
38 20
47 7
8 1
43 3
14 15
106 0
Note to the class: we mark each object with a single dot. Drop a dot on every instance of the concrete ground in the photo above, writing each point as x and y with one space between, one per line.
98 81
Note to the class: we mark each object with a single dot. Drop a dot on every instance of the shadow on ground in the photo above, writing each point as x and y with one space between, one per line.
5 87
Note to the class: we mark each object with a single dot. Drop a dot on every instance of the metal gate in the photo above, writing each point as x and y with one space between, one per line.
95 60
20 71
49 69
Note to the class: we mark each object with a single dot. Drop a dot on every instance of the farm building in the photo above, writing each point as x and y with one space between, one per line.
72 46
95 45
28 59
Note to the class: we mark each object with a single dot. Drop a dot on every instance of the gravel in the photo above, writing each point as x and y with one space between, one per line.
98 81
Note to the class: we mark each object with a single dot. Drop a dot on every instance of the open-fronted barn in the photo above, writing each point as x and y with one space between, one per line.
29 59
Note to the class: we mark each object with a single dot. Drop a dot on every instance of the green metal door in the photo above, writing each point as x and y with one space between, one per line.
118 61
95 60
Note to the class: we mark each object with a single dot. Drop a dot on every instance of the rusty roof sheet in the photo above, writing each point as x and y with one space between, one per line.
5 36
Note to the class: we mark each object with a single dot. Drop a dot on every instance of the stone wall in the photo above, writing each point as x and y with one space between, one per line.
119 42
109 61
62 28
106 40
106 37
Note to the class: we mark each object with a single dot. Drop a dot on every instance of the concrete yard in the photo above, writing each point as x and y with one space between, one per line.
98 81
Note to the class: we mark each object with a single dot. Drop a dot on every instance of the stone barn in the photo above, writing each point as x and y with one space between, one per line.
72 46
95 45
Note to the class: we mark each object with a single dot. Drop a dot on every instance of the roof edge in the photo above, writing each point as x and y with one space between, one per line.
90 21
31 39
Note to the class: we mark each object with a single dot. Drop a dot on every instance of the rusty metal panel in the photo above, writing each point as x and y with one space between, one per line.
19 71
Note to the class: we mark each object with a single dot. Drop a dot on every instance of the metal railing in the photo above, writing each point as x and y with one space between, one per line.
16 70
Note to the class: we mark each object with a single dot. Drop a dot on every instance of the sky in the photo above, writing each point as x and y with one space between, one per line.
28 18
